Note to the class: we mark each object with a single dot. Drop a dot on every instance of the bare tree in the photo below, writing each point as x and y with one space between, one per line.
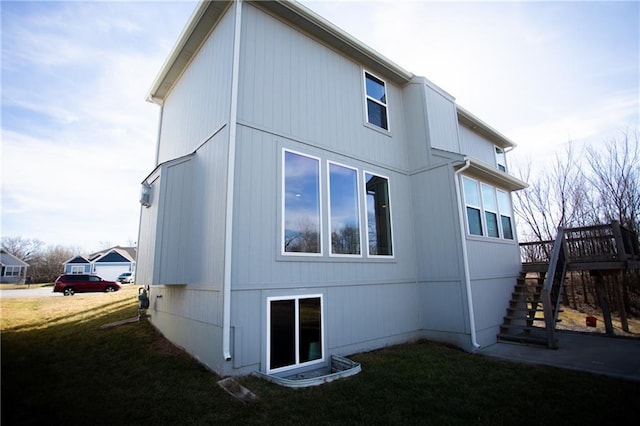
48 263
22 248
553 199
615 178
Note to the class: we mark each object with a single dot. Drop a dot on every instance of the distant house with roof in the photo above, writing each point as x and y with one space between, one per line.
108 263
14 269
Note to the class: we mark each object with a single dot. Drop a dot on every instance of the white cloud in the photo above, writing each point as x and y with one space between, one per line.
77 136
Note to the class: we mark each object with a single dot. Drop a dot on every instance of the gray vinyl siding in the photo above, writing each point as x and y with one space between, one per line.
477 147
191 319
293 85
440 268
147 239
415 122
199 102
443 120
436 224
175 225
256 260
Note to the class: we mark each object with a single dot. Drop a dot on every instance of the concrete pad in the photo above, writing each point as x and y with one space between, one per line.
616 357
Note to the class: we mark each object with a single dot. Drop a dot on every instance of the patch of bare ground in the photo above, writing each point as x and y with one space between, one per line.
576 320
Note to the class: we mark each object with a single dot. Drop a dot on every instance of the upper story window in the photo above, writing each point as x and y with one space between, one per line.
501 159
301 199
376 101
488 210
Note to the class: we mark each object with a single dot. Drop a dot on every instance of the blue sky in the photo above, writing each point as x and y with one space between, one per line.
78 136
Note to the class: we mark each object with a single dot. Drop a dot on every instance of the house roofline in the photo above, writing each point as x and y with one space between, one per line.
491 174
5 251
207 14
469 120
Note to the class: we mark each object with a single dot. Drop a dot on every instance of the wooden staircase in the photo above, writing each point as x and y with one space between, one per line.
523 324
524 321
534 306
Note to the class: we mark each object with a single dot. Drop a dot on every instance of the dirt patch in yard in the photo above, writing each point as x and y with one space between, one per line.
575 320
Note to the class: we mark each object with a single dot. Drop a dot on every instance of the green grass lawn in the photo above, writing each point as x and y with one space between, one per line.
64 370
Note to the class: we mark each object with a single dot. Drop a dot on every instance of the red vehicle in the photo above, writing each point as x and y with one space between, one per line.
69 284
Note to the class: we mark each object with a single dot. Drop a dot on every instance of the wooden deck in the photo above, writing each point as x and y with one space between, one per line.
600 249
589 248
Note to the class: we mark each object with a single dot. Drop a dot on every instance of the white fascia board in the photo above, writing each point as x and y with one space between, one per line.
469 120
208 13
202 21
490 174
315 25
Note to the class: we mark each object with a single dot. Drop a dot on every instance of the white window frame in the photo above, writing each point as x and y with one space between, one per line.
13 270
366 221
75 270
367 97
483 209
358 196
508 214
486 209
473 206
283 206
297 364
501 158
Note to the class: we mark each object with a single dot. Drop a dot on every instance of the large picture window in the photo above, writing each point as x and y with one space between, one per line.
295 332
301 199
376 100
344 210
488 210
378 215
303 217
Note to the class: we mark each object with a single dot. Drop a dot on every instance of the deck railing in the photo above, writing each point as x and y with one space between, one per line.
594 245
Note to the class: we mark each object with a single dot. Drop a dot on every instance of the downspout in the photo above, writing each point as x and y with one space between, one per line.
231 167
465 257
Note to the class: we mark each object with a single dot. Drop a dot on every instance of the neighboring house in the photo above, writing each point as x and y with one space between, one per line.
108 264
313 198
13 269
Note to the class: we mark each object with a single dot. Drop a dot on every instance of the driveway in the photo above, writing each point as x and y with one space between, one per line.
28 293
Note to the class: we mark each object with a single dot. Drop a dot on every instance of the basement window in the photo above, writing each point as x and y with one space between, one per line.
294 332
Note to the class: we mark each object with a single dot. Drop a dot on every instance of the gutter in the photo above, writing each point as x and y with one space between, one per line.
231 167
465 256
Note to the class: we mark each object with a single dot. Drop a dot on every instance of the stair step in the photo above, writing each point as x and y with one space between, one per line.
525 310
527 329
522 339
511 318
